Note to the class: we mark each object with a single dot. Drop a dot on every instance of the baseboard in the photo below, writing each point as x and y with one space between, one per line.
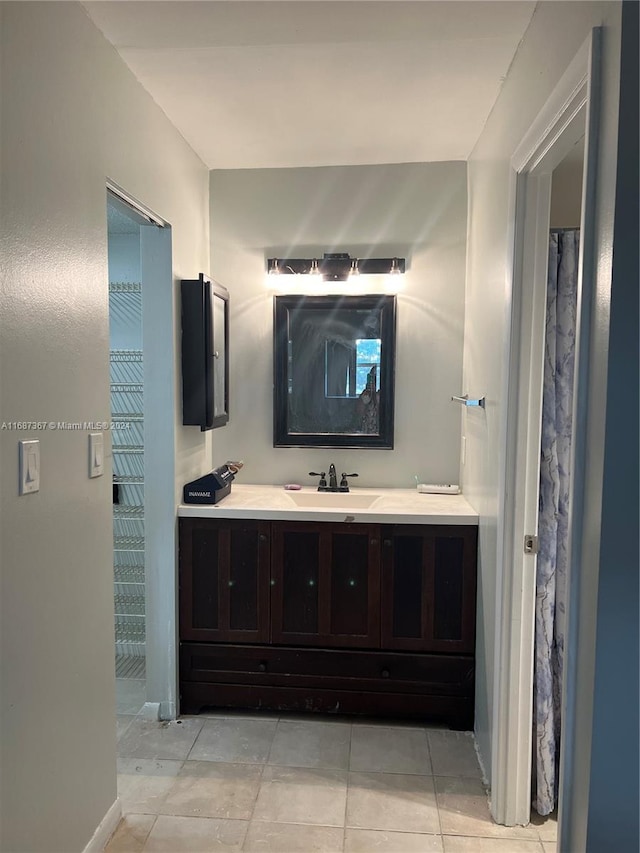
168 710
158 711
483 771
105 829
150 711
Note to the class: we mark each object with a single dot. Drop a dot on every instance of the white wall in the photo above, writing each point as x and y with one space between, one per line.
556 32
72 115
413 210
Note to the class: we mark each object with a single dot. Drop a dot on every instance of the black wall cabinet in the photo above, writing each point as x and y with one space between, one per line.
205 353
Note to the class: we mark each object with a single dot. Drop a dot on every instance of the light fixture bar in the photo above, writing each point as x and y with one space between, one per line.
337 266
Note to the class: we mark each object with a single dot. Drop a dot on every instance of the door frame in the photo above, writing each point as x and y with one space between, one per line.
570 112
159 404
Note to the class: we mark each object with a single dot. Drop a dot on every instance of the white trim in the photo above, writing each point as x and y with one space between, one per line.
105 829
587 465
158 324
566 100
133 202
150 711
559 125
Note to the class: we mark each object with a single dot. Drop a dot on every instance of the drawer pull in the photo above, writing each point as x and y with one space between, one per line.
263 538
262 666
352 582
385 673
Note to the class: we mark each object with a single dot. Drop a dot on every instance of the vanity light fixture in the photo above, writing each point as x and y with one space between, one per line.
336 266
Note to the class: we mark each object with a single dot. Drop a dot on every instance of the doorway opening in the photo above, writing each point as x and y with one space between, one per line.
569 116
142 377
554 491
127 445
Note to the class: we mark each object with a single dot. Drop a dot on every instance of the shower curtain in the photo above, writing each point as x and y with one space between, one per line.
553 512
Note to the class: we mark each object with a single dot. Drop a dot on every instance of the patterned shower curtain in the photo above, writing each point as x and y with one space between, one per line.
553 515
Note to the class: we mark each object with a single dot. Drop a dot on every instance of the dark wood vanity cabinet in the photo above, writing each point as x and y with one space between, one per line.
429 588
325 584
224 580
321 616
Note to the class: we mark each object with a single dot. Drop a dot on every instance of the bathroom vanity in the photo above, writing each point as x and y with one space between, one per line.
358 603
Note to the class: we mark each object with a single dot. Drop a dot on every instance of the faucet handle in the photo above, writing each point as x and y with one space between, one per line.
323 482
344 485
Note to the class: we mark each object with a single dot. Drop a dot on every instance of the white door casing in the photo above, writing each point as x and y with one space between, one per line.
559 126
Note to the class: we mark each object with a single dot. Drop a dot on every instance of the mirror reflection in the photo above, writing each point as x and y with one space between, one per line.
334 371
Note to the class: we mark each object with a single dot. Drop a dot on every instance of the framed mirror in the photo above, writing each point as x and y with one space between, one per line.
334 366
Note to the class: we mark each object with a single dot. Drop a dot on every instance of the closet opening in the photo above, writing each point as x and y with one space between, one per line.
554 493
142 445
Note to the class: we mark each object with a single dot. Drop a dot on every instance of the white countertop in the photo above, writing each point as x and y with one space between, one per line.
393 506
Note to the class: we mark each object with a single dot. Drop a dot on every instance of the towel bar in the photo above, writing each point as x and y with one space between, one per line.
467 402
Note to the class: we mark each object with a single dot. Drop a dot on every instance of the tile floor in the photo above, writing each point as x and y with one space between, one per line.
287 784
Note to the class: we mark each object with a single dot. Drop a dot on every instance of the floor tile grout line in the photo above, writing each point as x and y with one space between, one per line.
273 739
146 838
346 798
364 829
491 838
195 740
346 805
429 750
246 832
504 837
435 799
260 781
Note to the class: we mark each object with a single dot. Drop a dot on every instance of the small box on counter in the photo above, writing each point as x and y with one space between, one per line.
213 487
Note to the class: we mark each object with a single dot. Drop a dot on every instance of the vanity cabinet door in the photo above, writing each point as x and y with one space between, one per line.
325 584
224 580
429 588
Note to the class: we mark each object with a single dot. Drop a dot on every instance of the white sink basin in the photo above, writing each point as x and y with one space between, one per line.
329 500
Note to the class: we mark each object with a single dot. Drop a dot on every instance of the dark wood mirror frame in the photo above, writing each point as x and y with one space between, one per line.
383 311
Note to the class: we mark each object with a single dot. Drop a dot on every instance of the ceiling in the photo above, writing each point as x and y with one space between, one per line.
284 83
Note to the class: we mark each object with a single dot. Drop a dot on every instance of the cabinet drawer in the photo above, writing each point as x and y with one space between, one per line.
327 669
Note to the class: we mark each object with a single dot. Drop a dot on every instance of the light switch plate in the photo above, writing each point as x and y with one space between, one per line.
29 465
96 454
